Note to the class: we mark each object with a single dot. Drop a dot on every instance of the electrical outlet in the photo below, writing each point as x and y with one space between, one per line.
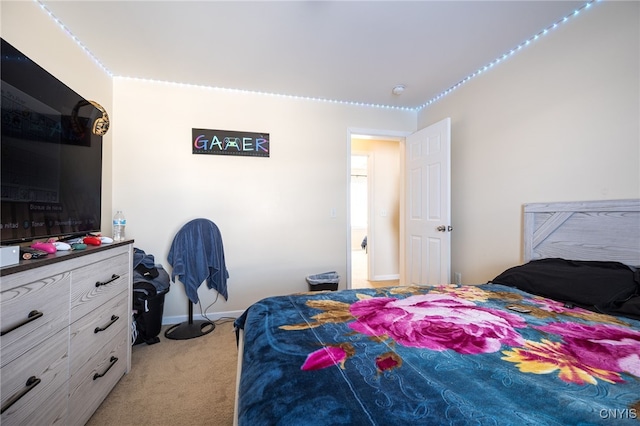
457 276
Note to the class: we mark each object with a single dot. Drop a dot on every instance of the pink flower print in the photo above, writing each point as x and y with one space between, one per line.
437 322
388 361
547 357
328 356
602 346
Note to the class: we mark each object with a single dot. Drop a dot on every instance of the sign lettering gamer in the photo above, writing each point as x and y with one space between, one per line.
228 142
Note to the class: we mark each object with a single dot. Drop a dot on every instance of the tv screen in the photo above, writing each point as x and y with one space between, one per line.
51 173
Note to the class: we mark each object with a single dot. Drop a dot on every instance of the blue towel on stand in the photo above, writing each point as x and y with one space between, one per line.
196 255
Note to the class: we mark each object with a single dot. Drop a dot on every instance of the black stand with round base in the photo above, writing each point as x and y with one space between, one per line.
190 329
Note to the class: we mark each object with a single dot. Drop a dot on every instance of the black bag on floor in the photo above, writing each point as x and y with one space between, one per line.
150 284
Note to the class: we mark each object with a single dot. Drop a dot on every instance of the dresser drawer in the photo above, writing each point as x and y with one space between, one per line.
49 311
93 285
94 380
49 411
37 383
32 312
97 329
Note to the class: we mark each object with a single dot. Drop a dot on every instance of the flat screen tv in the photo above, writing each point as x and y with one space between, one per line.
51 171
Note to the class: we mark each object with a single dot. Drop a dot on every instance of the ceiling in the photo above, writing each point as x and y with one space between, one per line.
350 51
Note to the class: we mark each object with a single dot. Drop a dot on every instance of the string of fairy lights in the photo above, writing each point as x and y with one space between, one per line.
436 98
508 54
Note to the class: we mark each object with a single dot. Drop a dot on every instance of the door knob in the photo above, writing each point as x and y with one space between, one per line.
441 228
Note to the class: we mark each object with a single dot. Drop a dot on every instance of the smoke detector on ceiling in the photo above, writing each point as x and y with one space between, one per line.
398 89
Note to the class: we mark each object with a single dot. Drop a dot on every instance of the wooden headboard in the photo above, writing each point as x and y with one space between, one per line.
586 230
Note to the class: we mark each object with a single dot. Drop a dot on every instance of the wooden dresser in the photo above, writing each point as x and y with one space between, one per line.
66 334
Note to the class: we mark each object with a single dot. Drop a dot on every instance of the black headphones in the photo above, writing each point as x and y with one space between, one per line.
100 125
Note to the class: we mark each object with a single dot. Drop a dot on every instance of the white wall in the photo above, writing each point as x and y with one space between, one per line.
25 26
558 121
274 213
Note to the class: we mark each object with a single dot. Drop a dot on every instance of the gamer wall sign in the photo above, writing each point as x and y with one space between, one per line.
228 142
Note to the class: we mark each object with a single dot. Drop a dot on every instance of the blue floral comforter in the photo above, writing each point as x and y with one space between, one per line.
456 355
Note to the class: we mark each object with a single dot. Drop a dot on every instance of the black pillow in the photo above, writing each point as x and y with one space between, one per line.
591 284
629 308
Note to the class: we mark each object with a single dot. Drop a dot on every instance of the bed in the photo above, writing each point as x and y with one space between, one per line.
549 341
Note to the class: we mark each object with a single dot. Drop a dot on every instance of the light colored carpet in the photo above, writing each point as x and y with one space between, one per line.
176 382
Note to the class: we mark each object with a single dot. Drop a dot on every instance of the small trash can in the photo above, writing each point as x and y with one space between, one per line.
324 281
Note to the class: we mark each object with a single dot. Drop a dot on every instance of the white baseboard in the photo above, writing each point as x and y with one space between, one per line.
213 316
386 277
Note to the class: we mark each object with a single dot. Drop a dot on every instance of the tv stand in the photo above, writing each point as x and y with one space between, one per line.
66 333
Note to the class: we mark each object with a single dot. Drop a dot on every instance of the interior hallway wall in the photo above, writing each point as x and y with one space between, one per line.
276 214
282 218
558 121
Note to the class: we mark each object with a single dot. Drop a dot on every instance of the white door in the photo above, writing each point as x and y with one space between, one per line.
428 205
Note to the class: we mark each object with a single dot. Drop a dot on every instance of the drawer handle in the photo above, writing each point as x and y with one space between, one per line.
32 382
113 361
114 318
113 278
33 315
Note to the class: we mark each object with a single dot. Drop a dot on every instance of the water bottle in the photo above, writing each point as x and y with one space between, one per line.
119 222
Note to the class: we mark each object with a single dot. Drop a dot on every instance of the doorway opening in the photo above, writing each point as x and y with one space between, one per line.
423 174
359 220
375 194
